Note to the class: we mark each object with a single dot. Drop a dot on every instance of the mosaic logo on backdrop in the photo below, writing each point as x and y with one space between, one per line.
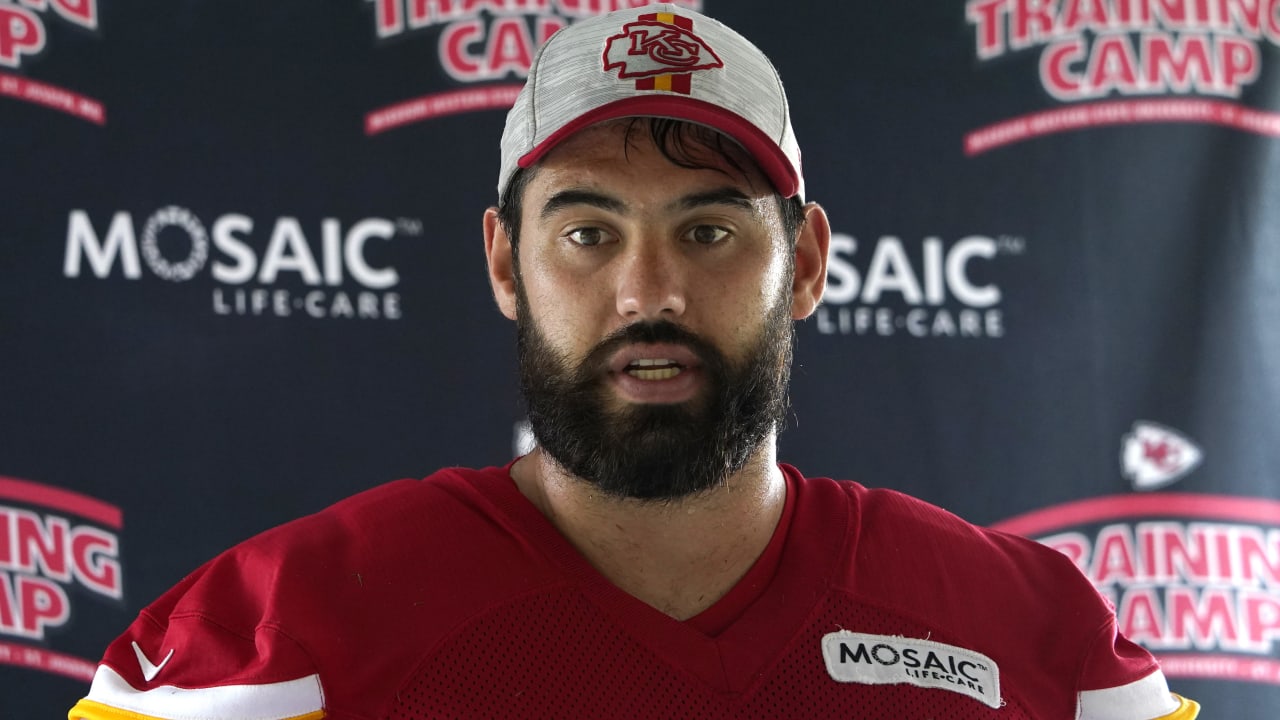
59 550
932 287
1112 62
485 47
1194 578
25 28
283 267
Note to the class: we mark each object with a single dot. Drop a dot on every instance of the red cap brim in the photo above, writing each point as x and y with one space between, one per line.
771 159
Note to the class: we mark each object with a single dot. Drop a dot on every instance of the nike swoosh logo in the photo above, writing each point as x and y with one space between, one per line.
149 669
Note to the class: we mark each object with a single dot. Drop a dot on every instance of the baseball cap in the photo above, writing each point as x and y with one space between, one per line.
654 61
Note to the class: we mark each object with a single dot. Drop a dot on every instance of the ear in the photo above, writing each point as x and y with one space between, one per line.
497 250
811 262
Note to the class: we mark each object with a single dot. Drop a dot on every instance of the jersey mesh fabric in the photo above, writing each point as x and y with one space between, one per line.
558 655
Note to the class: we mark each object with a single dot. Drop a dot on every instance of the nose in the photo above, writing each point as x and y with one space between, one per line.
651 283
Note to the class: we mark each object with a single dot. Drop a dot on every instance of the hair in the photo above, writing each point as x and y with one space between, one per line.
684 144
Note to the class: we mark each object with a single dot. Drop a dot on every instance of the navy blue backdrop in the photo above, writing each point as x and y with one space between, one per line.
241 277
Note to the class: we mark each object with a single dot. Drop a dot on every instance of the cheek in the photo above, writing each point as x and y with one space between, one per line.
776 286
563 310
542 284
736 310
761 286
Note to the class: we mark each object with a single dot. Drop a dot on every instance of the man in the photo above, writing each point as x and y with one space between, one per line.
651 558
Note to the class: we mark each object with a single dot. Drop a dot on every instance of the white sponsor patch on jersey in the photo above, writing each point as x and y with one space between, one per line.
886 659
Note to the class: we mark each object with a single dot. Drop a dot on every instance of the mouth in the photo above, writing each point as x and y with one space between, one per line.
656 373
654 361
653 368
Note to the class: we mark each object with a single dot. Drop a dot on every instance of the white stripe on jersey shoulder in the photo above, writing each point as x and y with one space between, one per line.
300 699
1145 698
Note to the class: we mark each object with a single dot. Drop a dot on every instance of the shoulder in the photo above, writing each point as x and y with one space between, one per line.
303 600
378 544
380 525
399 501
1013 599
890 531
917 560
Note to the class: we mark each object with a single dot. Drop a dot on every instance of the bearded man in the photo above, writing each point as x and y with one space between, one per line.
650 558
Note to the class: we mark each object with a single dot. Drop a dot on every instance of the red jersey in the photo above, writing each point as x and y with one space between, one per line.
453 597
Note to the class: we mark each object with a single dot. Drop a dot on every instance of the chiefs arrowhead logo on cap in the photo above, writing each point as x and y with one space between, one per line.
660 51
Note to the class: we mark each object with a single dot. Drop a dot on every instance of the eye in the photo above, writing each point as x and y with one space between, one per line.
706 234
587 236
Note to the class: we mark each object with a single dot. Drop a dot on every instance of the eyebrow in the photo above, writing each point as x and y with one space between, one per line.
720 196
568 198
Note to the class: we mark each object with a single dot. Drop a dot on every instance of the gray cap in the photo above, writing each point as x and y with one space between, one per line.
655 61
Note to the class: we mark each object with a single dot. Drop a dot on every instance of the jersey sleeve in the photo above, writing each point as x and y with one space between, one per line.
1109 692
212 648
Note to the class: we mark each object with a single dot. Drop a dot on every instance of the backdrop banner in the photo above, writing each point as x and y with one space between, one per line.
241 277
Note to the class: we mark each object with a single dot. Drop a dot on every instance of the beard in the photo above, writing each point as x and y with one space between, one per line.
655 452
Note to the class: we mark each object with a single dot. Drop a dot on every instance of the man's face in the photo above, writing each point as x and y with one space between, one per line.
654 314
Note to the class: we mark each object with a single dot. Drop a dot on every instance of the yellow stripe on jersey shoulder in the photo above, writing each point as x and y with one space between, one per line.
1187 710
90 710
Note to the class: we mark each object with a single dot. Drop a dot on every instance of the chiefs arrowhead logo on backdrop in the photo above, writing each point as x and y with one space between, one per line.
649 47
1154 456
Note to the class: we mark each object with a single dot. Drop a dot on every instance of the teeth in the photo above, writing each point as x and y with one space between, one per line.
647 363
665 373
654 368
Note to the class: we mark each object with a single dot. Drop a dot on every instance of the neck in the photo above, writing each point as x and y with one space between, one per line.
679 556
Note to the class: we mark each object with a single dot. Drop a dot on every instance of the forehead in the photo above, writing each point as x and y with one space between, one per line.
656 155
